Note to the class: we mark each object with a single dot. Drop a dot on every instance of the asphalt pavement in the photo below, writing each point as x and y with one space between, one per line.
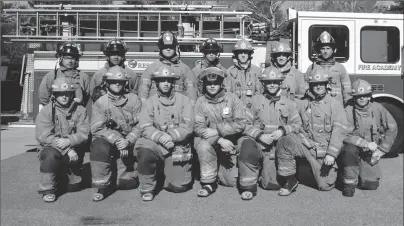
22 205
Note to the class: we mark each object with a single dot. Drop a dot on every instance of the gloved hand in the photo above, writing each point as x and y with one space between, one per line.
227 146
122 143
329 160
73 157
165 139
372 146
376 157
63 143
277 134
266 139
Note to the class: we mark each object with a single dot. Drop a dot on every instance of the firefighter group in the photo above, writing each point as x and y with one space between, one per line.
240 127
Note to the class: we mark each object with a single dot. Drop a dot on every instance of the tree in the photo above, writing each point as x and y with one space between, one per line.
397 7
266 11
348 6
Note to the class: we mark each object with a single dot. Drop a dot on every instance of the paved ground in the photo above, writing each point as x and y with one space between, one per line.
21 205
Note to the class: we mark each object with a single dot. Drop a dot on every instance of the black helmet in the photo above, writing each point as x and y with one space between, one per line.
68 49
209 44
167 39
115 46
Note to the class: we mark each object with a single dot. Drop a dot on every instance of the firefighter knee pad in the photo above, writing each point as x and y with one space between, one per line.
177 189
100 150
249 152
50 160
369 185
147 161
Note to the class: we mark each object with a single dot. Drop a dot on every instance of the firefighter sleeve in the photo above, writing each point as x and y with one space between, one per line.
135 134
305 130
390 130
201 123
237 123
294 122
94 81
301 85
45 88
82 128
338 128
186 125
146 123
253 121
86 88
190 83
145 83
98 125
351 138
345 84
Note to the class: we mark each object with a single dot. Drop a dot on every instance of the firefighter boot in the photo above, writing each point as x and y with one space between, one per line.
289 186
348 190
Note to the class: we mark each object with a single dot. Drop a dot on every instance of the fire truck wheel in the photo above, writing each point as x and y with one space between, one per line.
397 114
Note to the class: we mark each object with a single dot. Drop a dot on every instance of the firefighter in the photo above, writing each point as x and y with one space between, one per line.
114 126
372 131
219 123
270 116
115 52
340 82
211 57
62 137
243 76
281 59
68 61
169 55
324 127
167 121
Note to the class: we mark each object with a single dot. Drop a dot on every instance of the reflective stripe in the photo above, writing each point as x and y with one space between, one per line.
391 125
146 125
199 118
288 129
333 149
254 132
294 116
340 125
249 114
186 119
98 124
350 181
105 181
248 179
177 133
45 188
153 136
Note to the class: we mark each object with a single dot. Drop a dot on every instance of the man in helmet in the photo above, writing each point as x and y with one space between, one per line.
219 123
243 76
371 134
211 56
115 52
115 130
169 55
62 137
68 61
281 58
270 116
167 121
340 82
324 127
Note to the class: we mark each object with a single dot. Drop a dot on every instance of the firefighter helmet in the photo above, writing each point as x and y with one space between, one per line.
116 73
68 49
325 39
115 46
61 84
164 71
243 45
212 74
209 44
318 75
271 74
361 87
281 48
167 39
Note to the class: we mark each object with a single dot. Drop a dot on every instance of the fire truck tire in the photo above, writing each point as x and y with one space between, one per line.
397 114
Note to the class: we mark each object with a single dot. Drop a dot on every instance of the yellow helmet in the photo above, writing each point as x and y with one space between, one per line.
243 45
164 71
212 74
116 73
271 74
361 87
61 84
281 48
325 39
318 75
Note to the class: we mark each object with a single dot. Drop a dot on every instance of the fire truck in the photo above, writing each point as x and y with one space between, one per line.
369 45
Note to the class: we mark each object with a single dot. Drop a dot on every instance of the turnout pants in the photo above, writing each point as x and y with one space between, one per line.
256 165
106 164
56 172
289 148
215 164
153 165
356 168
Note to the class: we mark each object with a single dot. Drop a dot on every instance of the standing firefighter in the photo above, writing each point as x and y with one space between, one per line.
115 131
169 55
68 59
294 83
211 57
115 52
167 121
270 116
372 131
340 82
324 127
219 123
62 137
243 76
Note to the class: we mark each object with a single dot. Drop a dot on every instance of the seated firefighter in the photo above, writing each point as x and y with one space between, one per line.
167 121
371 134
270 116
219 123
62 137
323 130
115 131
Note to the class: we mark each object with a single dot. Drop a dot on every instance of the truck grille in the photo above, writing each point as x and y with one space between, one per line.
377 87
